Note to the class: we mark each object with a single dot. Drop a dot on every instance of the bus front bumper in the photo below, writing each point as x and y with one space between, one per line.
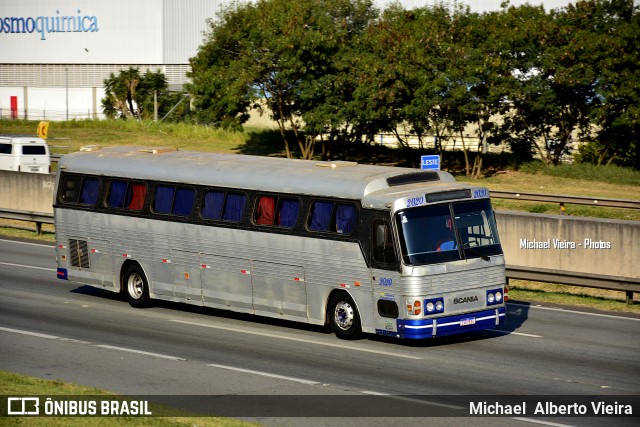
448 325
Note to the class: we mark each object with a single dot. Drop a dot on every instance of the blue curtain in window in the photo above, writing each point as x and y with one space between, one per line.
89 195
288 213
117 193
234 208
321 217
345 218
163 200
213 202
184 201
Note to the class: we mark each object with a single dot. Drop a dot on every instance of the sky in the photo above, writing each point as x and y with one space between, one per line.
479 5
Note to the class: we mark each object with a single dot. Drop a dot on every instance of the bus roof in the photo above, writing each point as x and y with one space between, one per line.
376 186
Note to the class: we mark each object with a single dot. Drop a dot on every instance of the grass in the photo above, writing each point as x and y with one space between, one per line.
586 171
12 384
577 296
67 137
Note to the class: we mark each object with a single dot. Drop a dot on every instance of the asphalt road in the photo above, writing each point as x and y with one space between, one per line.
54 329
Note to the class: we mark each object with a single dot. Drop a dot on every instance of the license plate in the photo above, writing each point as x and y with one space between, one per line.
34 169
468 321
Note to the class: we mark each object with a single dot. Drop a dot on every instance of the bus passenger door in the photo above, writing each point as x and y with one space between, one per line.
226 282
279 288
385 277
186 276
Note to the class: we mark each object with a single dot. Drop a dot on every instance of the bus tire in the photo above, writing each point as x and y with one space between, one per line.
344 317
136 287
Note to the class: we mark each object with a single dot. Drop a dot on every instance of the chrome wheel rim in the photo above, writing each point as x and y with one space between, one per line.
135 285
343 315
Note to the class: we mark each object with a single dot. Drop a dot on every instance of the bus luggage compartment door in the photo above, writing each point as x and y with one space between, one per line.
279 288
226 282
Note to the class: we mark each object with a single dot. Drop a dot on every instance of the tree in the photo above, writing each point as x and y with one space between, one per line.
130 95
276 53
618 116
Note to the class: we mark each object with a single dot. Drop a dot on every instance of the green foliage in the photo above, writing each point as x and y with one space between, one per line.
276 55
586 171
131 95
337 73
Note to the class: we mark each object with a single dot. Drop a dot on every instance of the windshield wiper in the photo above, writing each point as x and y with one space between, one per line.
467 247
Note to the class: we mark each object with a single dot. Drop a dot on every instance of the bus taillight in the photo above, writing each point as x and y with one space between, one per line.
506 293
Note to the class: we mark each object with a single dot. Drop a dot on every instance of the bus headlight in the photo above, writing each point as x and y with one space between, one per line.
434 305
494 296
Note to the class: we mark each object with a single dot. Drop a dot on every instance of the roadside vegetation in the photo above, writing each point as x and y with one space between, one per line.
12 384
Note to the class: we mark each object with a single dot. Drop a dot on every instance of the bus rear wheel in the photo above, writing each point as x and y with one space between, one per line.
136 287
344 317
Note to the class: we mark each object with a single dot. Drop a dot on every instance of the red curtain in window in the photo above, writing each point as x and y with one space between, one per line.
138 192
266 208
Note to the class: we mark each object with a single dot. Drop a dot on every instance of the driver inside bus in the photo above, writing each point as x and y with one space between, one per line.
448 240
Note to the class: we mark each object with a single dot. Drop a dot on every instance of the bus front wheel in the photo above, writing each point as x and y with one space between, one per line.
344 317
136 287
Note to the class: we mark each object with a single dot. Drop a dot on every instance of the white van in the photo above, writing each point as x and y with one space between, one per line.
22 153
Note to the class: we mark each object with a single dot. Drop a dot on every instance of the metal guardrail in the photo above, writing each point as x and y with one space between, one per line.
562 199
614 283
624 284
38 217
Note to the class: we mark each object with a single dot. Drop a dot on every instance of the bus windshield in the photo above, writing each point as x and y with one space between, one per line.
448 232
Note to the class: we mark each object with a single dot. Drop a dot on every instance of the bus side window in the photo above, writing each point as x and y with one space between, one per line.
183 203
71 189
265 210
234 207
288 212
163 200
117 192
89 193
383 251
321 216
345 218
137 195
213 203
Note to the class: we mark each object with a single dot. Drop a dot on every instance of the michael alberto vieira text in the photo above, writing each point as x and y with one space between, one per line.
548 408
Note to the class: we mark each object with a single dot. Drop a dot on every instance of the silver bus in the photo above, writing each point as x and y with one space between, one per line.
366 249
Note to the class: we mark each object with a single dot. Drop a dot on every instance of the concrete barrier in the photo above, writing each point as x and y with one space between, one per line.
586 246
31 192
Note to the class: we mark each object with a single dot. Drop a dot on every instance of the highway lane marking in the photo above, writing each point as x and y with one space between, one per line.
27 266
428 402
262 334
146 353
611 316
515 333
33 334
264 374
544 423
408 399
104 346
28 243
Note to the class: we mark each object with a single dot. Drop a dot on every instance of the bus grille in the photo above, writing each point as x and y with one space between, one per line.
79 254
